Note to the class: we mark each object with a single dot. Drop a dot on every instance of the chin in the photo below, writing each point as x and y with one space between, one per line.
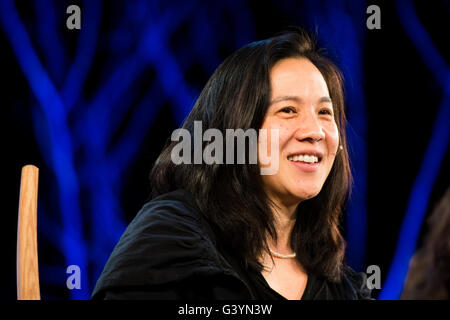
306 193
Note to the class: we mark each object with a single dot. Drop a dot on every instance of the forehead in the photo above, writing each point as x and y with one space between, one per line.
297 76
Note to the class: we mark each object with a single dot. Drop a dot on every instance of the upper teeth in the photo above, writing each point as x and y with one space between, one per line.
304 158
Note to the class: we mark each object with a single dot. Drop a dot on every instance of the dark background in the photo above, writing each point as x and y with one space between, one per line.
401 97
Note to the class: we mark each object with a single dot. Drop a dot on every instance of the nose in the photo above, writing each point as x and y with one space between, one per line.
309 128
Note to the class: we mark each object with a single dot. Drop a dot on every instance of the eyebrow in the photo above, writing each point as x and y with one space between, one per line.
297 99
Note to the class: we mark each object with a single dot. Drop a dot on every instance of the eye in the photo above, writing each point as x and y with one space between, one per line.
325 111
288 110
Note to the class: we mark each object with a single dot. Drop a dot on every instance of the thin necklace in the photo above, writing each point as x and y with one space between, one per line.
283 256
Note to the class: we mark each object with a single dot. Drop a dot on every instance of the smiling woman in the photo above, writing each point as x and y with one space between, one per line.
224 231
308 134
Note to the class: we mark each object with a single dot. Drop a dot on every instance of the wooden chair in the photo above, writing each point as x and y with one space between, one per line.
27 255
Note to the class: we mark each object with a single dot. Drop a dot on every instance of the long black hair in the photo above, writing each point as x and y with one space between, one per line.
231 197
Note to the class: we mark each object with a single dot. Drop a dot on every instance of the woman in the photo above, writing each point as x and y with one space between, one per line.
226 231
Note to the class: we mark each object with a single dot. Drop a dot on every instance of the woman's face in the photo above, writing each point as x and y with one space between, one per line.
302 111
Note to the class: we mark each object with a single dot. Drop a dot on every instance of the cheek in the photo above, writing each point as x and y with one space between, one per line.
332 139
265 141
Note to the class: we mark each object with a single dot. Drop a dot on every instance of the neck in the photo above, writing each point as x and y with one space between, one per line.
285 217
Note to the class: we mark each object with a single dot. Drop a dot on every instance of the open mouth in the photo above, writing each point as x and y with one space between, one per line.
305 158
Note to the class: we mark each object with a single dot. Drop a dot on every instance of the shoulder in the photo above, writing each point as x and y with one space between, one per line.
166 242
171 214
354 285
169 220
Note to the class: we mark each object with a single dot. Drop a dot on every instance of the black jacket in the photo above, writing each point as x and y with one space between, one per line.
170 252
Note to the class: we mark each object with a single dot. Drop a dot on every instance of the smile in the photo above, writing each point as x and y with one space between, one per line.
304 158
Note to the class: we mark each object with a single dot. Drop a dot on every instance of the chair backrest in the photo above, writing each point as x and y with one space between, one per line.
27 255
